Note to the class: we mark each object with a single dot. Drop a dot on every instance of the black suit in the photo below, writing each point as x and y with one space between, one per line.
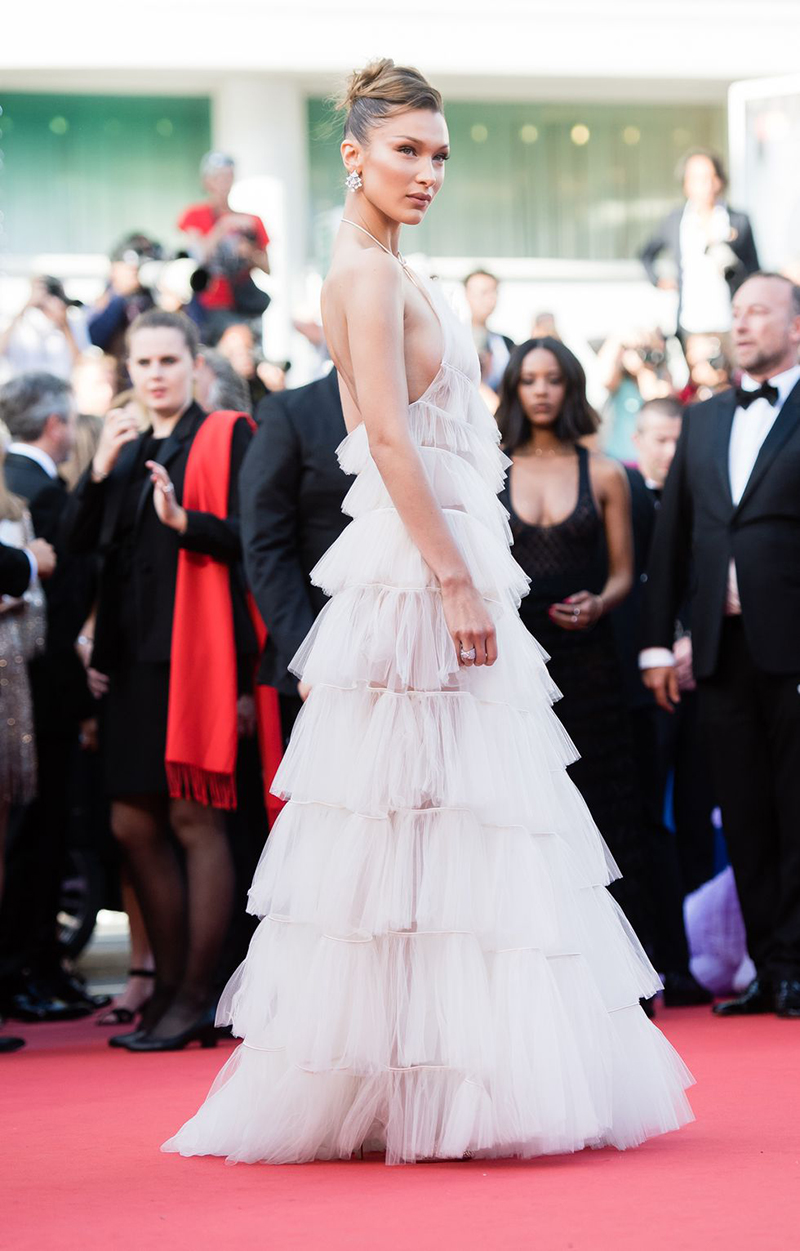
15 571
667 238
748 666
38 834
292 490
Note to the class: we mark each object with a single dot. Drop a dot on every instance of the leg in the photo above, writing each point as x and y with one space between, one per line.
694 798
736 736
140 824
209 873
781 710
139 987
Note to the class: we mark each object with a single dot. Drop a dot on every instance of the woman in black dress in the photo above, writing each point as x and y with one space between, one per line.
570 517
128 507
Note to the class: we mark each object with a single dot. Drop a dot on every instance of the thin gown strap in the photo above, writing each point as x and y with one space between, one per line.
398 256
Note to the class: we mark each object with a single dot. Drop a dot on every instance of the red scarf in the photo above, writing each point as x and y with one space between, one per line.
202 736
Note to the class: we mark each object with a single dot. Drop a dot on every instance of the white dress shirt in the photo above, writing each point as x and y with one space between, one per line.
748 432
35 453
705 295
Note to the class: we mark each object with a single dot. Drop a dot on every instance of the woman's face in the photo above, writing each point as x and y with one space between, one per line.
162 369
541 388
402 165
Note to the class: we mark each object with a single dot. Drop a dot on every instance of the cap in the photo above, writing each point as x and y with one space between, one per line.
213 162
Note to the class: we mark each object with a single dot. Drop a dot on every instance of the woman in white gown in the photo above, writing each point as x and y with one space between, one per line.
439 971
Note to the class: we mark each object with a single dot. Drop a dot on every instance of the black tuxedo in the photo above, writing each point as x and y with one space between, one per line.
748 666
15 571
37 835
700 528
292 490
667 238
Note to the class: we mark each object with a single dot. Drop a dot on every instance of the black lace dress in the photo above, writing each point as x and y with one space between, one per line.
561 560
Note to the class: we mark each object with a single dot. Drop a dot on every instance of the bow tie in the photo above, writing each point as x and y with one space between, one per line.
765 392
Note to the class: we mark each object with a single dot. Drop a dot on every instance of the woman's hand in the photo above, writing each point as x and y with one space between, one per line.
471 628
120 427
577 612
168 509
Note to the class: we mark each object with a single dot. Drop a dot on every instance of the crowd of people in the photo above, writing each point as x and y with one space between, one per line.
155 567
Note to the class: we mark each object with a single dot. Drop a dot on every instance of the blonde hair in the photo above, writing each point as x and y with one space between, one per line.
12 508
378 91
87 436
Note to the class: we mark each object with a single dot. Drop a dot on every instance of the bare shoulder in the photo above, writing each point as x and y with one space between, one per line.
366 271
608 475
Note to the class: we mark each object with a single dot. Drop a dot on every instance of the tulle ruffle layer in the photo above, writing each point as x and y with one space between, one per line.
376 549
383 636
557 1071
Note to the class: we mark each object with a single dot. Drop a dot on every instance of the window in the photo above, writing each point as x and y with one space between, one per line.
79 172
538 180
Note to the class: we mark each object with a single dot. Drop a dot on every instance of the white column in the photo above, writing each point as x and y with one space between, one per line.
260 120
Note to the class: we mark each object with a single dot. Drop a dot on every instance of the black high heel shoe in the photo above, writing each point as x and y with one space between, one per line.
203 1031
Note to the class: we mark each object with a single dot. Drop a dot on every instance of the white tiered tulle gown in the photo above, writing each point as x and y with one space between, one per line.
439 968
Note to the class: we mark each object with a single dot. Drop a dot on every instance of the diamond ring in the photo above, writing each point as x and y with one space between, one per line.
470 655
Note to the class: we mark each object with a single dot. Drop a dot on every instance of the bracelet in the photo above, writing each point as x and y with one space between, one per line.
96 476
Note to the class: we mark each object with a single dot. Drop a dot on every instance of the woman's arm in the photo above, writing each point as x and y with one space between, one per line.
584 609
375 329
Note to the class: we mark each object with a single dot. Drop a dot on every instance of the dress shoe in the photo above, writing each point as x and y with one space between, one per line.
31 1001
9 1044
787 998
756 999
203 1031
123 1040
72 990
681 990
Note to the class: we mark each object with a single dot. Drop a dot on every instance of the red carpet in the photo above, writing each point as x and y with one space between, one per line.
81 1125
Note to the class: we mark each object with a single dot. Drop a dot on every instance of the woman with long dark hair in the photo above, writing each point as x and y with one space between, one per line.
172 640
570 518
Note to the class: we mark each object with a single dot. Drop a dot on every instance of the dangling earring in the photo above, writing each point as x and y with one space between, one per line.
353 181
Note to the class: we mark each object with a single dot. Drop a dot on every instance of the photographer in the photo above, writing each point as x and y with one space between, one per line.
227 246
710 244
633 370
47 335
123 300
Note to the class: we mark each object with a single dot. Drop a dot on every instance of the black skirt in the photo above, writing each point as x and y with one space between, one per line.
135 730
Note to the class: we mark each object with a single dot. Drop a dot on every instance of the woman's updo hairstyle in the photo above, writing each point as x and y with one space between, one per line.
379 90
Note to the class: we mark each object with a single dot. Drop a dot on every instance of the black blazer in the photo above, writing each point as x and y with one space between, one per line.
58 681
92 525
15 571
292 490
668 239
699 530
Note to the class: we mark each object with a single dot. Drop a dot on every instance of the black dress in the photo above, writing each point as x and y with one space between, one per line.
134 730
561 560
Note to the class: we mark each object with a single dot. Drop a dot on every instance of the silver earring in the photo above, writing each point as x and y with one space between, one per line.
353 181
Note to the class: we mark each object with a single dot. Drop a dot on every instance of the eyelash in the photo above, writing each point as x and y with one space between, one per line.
440 156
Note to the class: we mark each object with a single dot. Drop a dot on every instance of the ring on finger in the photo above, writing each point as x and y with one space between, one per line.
468 655
168 488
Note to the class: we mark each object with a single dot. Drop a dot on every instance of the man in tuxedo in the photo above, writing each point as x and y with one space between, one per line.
657 430
730 516
39 412
291 490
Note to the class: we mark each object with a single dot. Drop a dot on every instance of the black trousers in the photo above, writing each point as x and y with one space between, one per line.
682 749
752 723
